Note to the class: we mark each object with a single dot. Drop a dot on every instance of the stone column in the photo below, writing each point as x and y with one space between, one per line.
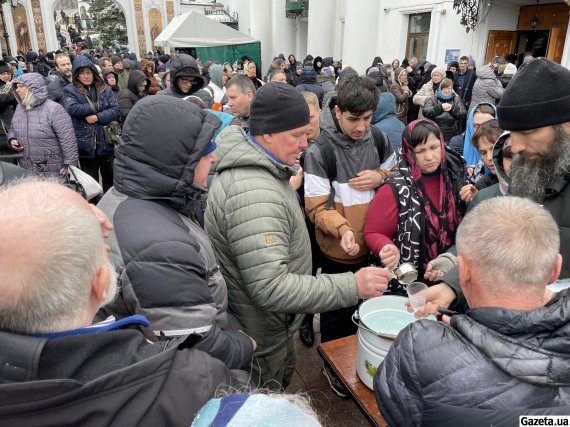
321 33
261 29
360 34
139 17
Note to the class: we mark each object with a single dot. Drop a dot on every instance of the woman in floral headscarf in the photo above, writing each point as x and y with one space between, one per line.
416 212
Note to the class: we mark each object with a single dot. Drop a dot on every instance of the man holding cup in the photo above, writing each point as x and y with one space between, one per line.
510 350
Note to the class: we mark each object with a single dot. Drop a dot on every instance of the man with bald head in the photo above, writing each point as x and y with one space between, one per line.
55 274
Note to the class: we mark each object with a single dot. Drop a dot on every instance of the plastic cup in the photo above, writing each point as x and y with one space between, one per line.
417 295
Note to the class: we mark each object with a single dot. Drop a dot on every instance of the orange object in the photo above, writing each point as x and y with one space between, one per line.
217 107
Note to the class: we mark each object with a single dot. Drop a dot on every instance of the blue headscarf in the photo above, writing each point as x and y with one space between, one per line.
19 72
440 94
470 153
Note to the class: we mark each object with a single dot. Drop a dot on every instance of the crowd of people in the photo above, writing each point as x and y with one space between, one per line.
237 205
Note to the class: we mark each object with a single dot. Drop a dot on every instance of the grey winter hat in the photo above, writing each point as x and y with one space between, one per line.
277 107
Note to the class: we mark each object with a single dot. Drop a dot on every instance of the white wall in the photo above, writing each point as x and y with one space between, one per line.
501 16
261 29
361 26
322 28
283 34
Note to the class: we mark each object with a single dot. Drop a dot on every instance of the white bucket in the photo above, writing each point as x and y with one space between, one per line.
379 321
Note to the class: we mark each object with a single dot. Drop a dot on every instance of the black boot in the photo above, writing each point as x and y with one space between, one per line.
306 332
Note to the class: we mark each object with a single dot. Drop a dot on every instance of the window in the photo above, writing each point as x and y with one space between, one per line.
418 36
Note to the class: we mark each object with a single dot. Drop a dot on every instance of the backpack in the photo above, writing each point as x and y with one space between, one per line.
380 141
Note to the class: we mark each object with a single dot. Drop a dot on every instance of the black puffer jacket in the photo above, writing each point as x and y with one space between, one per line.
489 358
448 121
167 267
308 83
114 378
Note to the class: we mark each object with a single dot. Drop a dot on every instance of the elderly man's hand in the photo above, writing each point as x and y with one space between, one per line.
372 281
440 295
297 179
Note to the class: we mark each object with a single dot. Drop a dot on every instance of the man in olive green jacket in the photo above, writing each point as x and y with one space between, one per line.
255 223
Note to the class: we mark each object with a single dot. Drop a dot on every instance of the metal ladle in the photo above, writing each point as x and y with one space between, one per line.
405 273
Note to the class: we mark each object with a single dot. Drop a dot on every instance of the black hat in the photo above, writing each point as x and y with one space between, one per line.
115 59
537 96
163 58
277 107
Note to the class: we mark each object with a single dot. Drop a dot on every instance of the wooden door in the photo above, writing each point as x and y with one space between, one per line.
501 43
556 44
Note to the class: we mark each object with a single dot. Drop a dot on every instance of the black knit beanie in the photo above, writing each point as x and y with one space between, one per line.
537 96
277 107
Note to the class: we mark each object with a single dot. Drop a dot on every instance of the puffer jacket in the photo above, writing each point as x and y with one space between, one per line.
384 118
168 272
45 131
147 67
448 121
308 83
487 87
129 97
105 378
422 96
489 358
90 137
56 82
182 65
326 81
258 230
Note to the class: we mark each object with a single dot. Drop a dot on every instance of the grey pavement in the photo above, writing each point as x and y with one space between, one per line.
332 410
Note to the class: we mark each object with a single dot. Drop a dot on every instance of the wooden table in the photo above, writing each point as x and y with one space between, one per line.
341 355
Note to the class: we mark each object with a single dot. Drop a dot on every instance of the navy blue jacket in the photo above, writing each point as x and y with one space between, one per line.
75 102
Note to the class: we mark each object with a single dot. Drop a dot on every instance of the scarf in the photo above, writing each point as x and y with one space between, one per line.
441 96
470 153
439 226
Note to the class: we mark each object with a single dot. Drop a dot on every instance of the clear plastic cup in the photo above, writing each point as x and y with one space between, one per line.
417 295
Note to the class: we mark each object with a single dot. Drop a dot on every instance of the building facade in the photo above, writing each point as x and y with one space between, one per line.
355 31
358 30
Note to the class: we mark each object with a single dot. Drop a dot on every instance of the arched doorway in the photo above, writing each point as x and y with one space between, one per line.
125 6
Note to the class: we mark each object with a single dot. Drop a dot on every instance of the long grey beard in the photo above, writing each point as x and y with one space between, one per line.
531 178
